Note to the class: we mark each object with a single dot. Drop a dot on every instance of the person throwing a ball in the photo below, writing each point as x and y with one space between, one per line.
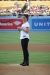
24 36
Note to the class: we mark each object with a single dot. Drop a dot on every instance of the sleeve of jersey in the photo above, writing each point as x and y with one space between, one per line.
27 25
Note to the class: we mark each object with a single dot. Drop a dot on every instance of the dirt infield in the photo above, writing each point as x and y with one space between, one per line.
32 47
32 69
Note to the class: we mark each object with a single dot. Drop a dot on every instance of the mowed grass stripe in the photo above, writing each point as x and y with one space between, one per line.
35 38
40 38
9 38
13 57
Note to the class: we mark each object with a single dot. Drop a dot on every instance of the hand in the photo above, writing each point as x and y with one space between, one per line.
19 28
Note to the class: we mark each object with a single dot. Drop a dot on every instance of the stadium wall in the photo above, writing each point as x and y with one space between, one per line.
36 22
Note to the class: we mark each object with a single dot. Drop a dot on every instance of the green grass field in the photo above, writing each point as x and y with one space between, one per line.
35 38
7 57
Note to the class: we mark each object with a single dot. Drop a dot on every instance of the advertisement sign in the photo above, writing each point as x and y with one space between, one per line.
9 23
41 23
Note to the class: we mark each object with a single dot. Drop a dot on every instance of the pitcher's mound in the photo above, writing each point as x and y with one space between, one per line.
32 69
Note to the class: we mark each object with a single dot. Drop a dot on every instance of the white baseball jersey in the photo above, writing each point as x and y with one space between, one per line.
22 33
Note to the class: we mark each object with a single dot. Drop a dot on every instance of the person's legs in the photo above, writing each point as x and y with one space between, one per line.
26 54
24 43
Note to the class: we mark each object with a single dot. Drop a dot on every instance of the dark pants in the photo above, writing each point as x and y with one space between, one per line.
24 44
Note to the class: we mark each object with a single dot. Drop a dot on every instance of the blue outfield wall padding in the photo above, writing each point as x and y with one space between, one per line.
41 23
